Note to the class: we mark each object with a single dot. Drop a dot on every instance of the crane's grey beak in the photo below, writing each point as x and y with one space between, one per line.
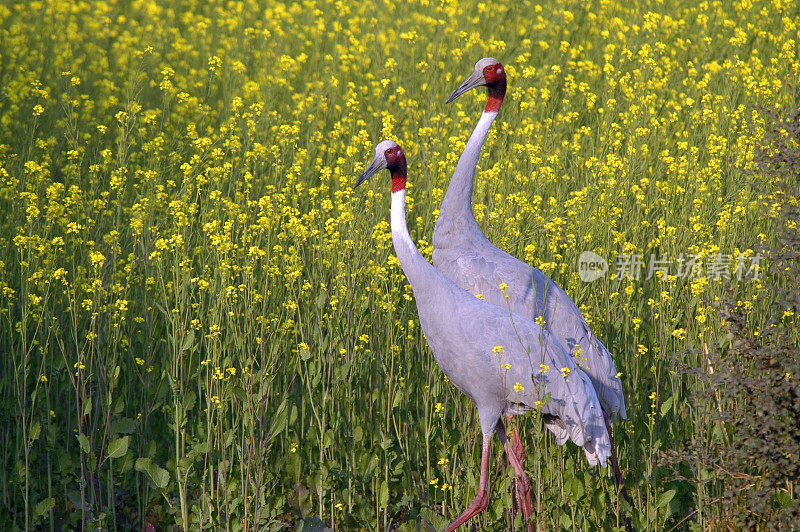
374 167
475 79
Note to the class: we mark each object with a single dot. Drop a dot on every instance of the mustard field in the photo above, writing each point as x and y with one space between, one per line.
202 326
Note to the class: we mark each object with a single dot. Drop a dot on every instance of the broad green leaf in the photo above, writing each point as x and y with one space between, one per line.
397 399
277 421
328 438
188 341
119 405
36 429
84 442
118 447
197 450
142 464
665 498
665 406
159 476
189 401
576 488
43 507
383 499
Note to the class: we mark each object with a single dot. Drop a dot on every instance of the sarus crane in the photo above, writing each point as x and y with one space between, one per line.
463 253
504 362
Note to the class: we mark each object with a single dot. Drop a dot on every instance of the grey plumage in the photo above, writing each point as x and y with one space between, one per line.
463 253
463 332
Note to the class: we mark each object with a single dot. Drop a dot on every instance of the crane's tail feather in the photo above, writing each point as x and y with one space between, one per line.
597 441
574 413
599 367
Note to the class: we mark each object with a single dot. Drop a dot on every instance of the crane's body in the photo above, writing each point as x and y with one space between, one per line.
479 267
464 333
463 253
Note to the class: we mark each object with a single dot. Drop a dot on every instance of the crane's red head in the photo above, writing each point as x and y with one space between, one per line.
491 74
388 155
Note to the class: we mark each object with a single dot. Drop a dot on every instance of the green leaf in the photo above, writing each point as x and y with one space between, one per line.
666 405
431 521
198 450
84 442
43 507
546 399
383 499
119 405
142 464
118 447
293 465
665 498
189 402
159 476
576 488
36 429
397 399
328 438
228 437
188 341
277 421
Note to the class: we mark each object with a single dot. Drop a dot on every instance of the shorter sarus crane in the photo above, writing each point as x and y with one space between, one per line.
504 362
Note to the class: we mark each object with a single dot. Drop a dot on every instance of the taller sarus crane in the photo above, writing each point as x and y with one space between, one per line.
504 362
463 253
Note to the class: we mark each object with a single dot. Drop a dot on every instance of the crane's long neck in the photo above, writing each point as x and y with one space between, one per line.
457 203
413 263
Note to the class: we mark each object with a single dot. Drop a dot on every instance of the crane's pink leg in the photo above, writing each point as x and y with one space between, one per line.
522 484
481 500
501 433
